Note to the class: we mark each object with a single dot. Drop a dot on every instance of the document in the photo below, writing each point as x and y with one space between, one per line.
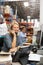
34 57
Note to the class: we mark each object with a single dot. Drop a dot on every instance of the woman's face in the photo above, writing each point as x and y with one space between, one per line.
16 28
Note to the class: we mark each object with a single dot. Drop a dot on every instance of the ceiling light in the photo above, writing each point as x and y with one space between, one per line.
32 0
26 4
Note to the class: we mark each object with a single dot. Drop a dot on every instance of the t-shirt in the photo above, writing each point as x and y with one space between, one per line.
7 44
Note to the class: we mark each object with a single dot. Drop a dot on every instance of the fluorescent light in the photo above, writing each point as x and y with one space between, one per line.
26 4
28 17
32 0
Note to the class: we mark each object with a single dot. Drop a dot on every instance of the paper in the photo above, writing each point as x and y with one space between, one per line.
5 58
4 53
34 57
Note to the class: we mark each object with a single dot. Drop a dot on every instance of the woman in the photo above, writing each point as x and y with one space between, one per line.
10 38
12 42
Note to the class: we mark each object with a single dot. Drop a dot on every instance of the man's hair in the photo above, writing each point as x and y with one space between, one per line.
22 27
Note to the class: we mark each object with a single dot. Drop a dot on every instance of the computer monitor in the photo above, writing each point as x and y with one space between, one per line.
41 37
41 43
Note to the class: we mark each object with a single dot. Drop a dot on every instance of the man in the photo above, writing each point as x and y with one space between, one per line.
3 30
22 35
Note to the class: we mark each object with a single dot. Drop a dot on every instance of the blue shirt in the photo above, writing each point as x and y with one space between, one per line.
8 41
21 38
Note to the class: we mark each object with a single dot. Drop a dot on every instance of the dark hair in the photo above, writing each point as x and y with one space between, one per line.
22 27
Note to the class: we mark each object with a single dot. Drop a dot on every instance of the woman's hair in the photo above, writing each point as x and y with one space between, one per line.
13 23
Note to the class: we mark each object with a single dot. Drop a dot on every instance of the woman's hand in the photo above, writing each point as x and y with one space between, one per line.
13 49
12 32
